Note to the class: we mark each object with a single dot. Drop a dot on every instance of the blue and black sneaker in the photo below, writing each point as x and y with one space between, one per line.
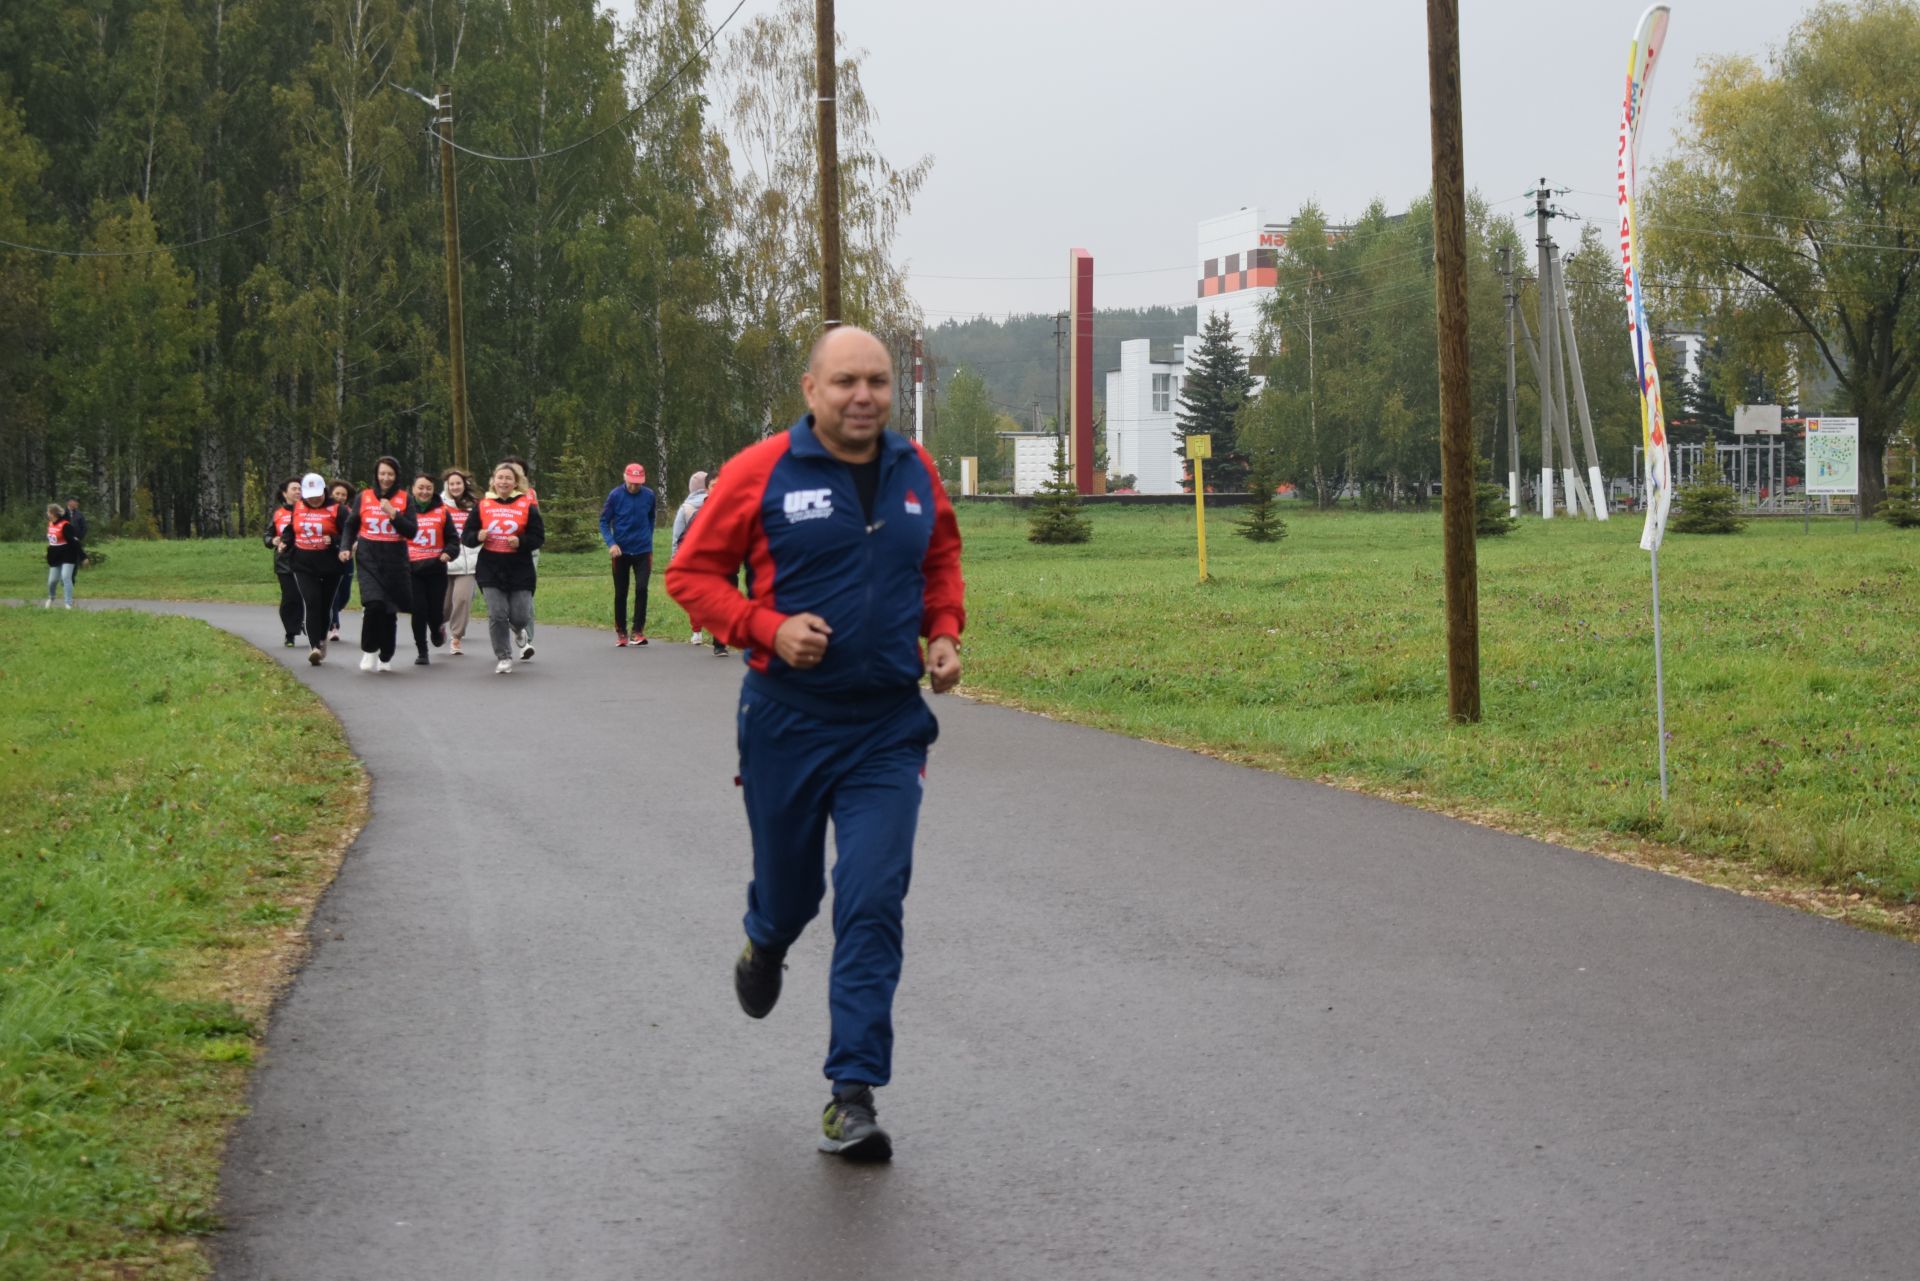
756 979
848 1128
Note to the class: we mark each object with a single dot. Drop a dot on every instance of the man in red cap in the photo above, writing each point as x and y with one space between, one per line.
626 527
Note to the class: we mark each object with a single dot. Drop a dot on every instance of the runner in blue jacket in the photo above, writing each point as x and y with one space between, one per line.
626 527
853 557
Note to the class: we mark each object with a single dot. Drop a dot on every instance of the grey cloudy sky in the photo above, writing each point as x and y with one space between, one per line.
1117 126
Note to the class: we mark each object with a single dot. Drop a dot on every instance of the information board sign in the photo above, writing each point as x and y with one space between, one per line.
1833 456
1199 447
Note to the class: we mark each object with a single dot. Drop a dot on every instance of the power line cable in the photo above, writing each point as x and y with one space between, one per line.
623 121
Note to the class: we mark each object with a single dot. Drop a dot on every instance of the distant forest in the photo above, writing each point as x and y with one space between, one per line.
1015 356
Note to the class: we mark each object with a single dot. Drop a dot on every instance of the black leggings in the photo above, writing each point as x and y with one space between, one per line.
379 628
642 569
292 609
316 597
429 604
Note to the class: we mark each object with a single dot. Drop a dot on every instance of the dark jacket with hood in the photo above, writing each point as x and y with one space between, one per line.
384 575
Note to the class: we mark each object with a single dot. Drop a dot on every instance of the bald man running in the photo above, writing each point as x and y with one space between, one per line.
853 557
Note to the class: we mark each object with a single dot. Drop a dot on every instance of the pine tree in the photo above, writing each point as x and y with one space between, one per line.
1707 505
1056 516
1260 520
1217 386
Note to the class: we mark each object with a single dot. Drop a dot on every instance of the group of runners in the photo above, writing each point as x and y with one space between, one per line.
420 548
425 548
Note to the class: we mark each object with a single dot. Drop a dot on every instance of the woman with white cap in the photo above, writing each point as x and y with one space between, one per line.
315 542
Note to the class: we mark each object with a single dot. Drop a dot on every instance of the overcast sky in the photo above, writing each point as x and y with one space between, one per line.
1117 126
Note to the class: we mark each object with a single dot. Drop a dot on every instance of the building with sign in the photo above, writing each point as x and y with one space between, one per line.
1236 269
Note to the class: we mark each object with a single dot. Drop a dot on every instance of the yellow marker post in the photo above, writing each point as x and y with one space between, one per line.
1199 449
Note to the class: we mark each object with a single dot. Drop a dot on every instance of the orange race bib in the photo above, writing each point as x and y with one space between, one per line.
431 538
375 526
314 528
502 521
57 533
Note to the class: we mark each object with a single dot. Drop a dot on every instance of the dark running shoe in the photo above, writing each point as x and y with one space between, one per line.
719 651
756 979
848 1128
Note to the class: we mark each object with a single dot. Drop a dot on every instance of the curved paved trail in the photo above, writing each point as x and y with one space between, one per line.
1162 1017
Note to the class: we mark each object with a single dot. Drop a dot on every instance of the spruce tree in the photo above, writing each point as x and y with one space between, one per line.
1491 514
1056 516
1260 520
570 510
1217 386
1707 506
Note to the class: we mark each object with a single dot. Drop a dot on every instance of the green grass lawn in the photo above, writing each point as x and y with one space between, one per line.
1791 658
172 803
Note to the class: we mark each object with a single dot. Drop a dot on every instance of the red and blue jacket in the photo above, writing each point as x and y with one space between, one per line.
787 510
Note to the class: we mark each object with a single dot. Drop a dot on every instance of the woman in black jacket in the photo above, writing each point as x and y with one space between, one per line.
379 528
427 558
64 553
508 530
292 611
315 543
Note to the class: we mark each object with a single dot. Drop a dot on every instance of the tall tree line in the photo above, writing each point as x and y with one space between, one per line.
1351 401
255 283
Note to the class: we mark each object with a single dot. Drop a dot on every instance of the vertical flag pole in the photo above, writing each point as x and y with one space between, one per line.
1659 678
1643 57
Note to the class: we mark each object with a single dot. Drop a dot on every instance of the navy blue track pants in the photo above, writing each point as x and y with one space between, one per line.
798 770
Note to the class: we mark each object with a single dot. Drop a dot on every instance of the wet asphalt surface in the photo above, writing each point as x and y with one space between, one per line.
1161 1017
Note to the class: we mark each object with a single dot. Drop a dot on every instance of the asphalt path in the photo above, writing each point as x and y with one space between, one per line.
1161 1017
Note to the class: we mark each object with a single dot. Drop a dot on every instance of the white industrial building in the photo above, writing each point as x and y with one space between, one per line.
1236 270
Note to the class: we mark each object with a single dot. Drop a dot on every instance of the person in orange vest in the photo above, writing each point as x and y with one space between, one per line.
427 558
508 530
342 493
63 553
315 541
380 525
456 491
291 610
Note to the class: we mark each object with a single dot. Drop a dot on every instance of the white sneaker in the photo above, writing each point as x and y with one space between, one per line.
526 651
367 662
502 667
518 638
694 639
47 603
69 604
383 666
316 657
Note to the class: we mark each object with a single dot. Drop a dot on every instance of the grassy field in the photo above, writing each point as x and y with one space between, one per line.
172 804
1792 693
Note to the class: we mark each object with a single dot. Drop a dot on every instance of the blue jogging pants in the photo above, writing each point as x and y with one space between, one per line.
797 770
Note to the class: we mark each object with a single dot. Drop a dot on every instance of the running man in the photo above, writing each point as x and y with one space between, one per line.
853 556
626 527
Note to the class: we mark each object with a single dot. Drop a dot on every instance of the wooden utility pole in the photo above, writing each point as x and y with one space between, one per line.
1456 420
827 124
456 324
